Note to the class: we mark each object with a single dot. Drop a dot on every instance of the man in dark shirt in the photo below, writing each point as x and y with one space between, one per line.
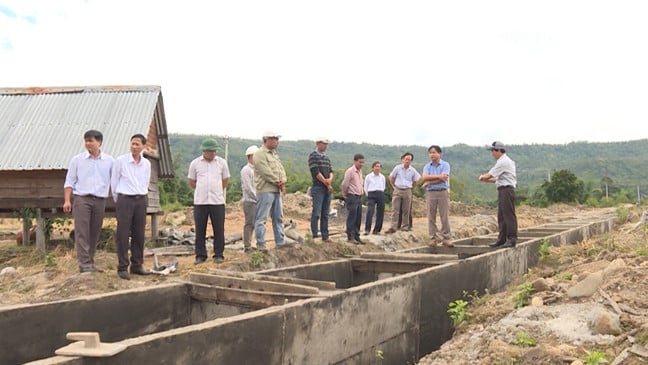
322 174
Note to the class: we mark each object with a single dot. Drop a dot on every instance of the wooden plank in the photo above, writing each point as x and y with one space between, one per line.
419 257
319 284
251 283
256 299
390 266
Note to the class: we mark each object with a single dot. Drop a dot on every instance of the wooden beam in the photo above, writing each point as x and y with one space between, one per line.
390 266
250 283
319 284
417 257
250 298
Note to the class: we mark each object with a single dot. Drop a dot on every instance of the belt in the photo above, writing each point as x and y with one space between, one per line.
131 196
358 195
437 189
504 187
91 196
402 188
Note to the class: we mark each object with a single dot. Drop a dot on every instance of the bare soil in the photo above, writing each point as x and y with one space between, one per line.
30 278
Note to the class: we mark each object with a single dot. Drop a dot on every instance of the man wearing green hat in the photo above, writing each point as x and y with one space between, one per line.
209 176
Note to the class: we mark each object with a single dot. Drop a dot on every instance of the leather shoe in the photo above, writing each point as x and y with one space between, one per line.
199 260
327 240
390 231
509 244
360 241
123 274
496 244
139 271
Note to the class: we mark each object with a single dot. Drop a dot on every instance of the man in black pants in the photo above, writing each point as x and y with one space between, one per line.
129 183
503 175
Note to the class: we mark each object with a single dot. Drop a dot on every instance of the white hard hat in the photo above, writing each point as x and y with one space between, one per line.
250 150
271 134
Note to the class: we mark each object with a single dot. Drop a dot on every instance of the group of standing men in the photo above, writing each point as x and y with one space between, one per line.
90 177
263 182
93 174
403 178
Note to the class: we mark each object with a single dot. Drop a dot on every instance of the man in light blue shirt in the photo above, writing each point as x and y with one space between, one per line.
129 183
436 177
88 180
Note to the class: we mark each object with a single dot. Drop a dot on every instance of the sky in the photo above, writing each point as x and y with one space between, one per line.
381 72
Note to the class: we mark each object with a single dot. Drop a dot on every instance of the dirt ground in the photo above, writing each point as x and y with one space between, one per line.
26 277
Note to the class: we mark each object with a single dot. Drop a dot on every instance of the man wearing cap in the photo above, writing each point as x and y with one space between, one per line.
321 188
270 183
249 200
503 175
209 176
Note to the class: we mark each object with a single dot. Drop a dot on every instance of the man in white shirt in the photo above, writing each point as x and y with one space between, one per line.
209 176
129 183
374 187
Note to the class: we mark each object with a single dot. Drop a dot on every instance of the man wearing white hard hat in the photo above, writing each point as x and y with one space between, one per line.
249 199
270 184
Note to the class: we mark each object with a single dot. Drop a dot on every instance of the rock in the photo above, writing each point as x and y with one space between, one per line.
587 286
536 301
540 285
576 362
8 271
605 322
614 267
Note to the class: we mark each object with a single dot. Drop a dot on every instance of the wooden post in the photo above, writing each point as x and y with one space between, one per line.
155 229
25 231
40 232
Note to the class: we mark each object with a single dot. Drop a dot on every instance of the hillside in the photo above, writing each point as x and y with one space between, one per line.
623 162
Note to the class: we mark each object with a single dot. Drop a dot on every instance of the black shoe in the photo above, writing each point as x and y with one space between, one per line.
351 240
139 271
123 274
509 244
496 244
219 260
199 260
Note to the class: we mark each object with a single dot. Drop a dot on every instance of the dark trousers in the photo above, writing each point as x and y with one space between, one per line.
506 218
321 206
88 214
215 213
131 222
354 216
375 202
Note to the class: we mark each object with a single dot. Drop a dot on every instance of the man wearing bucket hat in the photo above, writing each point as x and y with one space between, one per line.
270 183
503 175
249 200
209 176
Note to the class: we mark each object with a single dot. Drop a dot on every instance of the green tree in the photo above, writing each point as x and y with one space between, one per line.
564 187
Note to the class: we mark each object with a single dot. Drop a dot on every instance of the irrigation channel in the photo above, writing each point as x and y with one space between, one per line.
336 312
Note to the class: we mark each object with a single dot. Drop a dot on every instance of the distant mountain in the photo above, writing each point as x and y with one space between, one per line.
626 163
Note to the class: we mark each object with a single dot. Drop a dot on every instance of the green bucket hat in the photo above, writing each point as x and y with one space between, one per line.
209 144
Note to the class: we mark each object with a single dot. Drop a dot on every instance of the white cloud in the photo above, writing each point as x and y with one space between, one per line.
382 72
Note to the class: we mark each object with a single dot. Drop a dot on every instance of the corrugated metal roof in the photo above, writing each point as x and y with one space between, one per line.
42 128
